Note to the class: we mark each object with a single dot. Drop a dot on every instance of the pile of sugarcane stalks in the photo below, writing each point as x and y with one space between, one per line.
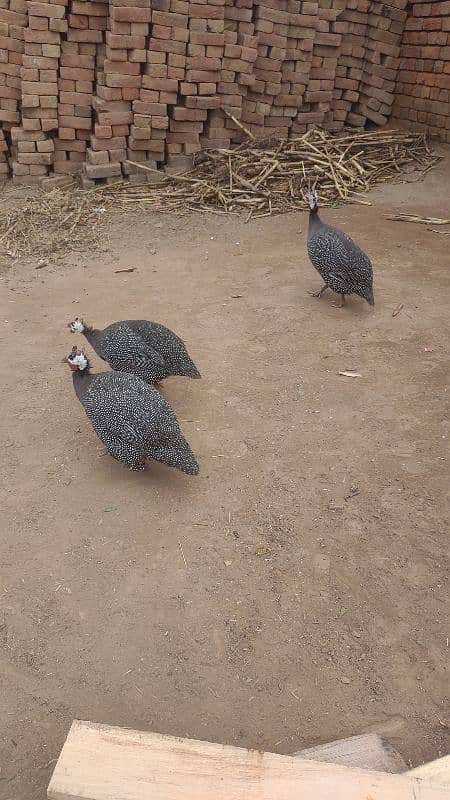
261 178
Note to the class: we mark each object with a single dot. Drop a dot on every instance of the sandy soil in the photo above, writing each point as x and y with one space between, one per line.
259 604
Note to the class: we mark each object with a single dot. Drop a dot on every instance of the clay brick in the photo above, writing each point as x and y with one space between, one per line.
41 37
160 84
128 42
127 14
169 19
51 50
39 62
45 146
46 10
116 143
116 80
36 158
38 24
59 25
103 131
206 38
149 108
99 171
39 88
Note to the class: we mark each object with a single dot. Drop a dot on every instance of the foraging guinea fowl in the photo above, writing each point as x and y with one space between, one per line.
131 418
344 267
146 349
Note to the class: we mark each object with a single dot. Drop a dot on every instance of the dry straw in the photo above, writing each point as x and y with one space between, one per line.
256 179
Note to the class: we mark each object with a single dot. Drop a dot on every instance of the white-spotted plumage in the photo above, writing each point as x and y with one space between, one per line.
143 348
344 267
131 418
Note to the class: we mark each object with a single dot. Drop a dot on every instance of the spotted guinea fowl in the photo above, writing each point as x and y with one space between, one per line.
344 267
146 349
131 418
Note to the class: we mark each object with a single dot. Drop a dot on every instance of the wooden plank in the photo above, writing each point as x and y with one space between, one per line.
437 771
99 762
368 751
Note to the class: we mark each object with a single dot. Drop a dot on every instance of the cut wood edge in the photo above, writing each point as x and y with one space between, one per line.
368 751
100 762
437 771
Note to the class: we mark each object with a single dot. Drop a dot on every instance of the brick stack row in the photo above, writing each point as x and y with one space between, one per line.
33 146
13 20
4 166
194 119
423 78
81 63
119 82
318 106
262 109
303 27
161 64
352 61
385 25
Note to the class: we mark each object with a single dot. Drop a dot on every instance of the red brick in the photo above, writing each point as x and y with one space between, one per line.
206 38
92 9
160 84
40 37
127 14
36 158
130 93
144 107
39 88
124 81
169 19
59 25
98 171
128 42
46 10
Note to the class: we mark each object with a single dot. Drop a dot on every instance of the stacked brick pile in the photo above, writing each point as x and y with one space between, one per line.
91 85
33 147
384 29
4 166
13 19
423 79
118 85
81 62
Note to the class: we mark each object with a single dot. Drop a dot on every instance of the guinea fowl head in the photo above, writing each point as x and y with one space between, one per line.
77 326
312 200
77 360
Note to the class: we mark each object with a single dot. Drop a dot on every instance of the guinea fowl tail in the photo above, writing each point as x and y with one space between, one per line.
193 372
177 454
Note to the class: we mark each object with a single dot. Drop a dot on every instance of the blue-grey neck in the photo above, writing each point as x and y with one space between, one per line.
314 220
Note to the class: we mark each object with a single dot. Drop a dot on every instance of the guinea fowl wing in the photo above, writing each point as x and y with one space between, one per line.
125 350
171 348
135 422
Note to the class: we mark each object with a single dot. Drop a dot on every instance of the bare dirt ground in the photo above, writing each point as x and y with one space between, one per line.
258 604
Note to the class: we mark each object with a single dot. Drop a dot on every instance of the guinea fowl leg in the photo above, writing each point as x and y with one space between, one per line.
320 292
342 303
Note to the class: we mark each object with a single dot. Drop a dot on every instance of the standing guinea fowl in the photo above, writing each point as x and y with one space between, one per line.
344 267
143 348
131 418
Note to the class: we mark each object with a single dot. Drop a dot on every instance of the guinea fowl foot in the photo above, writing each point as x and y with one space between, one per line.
341 304
320 292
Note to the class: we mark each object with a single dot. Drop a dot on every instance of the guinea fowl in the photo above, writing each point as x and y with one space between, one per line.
344 267
146 349
130 417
